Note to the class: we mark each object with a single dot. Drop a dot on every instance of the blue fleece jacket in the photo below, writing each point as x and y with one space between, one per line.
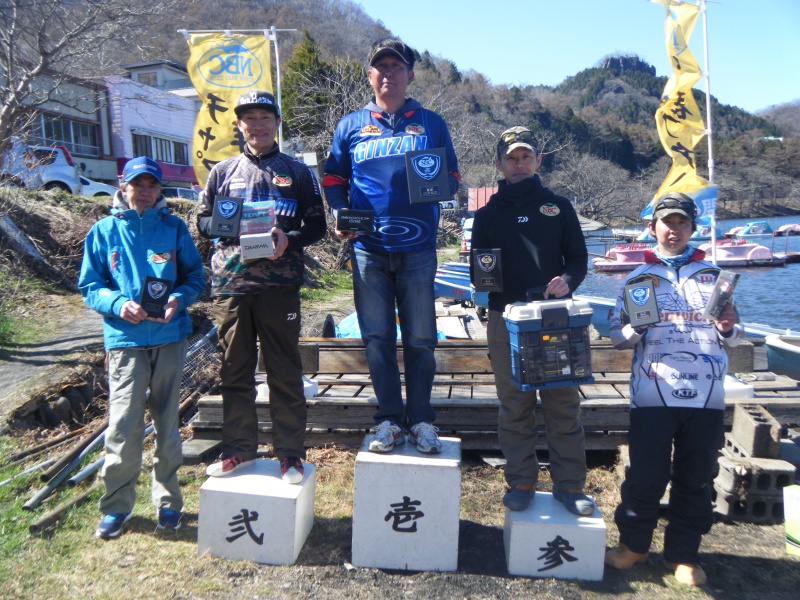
120 251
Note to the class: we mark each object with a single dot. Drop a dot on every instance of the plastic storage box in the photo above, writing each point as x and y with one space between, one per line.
549 343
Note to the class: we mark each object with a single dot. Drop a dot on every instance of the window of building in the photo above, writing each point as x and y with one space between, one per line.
76 136
142 145
161 149
150 79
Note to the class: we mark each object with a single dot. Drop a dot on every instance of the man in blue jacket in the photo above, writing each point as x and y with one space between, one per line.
396 265
140 239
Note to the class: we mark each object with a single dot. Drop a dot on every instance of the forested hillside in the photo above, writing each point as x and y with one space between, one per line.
596 128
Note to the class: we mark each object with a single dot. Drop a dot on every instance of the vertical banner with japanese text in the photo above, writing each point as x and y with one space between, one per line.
678 120
221 67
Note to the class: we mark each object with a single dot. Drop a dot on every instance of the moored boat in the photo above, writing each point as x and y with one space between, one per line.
750 228
783 354
623 257
788 229
739 252
627 233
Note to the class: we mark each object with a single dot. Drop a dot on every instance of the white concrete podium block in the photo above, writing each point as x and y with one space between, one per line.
406 508
253 515
546 540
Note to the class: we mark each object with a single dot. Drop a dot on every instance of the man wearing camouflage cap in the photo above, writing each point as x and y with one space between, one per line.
258 301
543 253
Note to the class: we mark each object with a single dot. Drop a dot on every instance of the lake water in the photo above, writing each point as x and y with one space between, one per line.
765 295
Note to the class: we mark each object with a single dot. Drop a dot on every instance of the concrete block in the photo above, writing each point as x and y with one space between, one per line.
790 452
757 433
741 358
546 540
751 508
762 476
253 515
406 508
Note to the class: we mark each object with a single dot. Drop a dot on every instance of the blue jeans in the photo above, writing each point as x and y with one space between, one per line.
381 279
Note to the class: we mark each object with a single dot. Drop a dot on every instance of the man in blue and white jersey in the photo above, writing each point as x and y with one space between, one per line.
396 265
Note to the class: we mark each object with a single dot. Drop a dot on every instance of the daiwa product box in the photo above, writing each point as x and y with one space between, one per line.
549 343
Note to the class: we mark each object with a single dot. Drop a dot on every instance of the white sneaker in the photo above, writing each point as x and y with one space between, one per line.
387 436
425 438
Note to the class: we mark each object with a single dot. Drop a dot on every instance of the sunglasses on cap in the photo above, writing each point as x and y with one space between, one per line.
687 206
511 137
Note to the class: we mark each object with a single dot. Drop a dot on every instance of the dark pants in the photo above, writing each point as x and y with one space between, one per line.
516 422
273 319
697 435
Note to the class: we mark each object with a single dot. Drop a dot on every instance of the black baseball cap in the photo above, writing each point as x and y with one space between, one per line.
391 46
256 99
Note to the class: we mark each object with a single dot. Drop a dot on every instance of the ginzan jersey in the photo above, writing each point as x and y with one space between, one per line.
368 155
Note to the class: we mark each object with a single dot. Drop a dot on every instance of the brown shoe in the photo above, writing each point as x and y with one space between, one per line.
688 574
623 557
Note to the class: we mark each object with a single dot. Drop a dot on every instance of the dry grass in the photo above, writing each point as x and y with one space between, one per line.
66 561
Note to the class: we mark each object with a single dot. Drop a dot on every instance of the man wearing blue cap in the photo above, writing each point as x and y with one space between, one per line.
133 258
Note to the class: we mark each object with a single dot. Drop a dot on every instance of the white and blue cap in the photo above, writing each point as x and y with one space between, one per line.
256 99
141 165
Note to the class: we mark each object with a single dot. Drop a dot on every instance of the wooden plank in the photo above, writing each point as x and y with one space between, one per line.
599 391
452 327
469 441
197 450
468 357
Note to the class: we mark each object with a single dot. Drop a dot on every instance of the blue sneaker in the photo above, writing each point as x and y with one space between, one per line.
519 496
169 520
110 526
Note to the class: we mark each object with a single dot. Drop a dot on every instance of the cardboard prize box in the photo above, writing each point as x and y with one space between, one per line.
255 239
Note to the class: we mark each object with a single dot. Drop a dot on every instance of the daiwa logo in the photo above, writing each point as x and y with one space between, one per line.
685 393
230 65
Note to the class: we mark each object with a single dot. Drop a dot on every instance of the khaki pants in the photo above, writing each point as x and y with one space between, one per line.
131 371
271 319
516 423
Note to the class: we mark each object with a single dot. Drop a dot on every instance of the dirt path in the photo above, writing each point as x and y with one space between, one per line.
27 369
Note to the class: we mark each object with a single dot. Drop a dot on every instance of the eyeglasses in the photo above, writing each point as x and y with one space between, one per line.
509 137
687 206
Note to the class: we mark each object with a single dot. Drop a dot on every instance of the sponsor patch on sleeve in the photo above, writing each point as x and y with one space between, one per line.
370 130
160 258
549 210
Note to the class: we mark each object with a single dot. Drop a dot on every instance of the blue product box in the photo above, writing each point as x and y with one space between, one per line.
549 343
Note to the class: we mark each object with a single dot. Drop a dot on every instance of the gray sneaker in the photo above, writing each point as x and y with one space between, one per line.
387 436
425 438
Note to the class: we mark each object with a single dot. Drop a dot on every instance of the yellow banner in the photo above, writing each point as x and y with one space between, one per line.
678 120
221 67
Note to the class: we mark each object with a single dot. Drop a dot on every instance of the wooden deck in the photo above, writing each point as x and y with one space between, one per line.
465 400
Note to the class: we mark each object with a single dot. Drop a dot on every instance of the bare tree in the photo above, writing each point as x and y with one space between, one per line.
324 96
599 189
46 45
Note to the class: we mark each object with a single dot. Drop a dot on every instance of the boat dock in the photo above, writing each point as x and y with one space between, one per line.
464 396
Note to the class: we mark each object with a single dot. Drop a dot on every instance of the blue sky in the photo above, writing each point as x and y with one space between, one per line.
754 45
